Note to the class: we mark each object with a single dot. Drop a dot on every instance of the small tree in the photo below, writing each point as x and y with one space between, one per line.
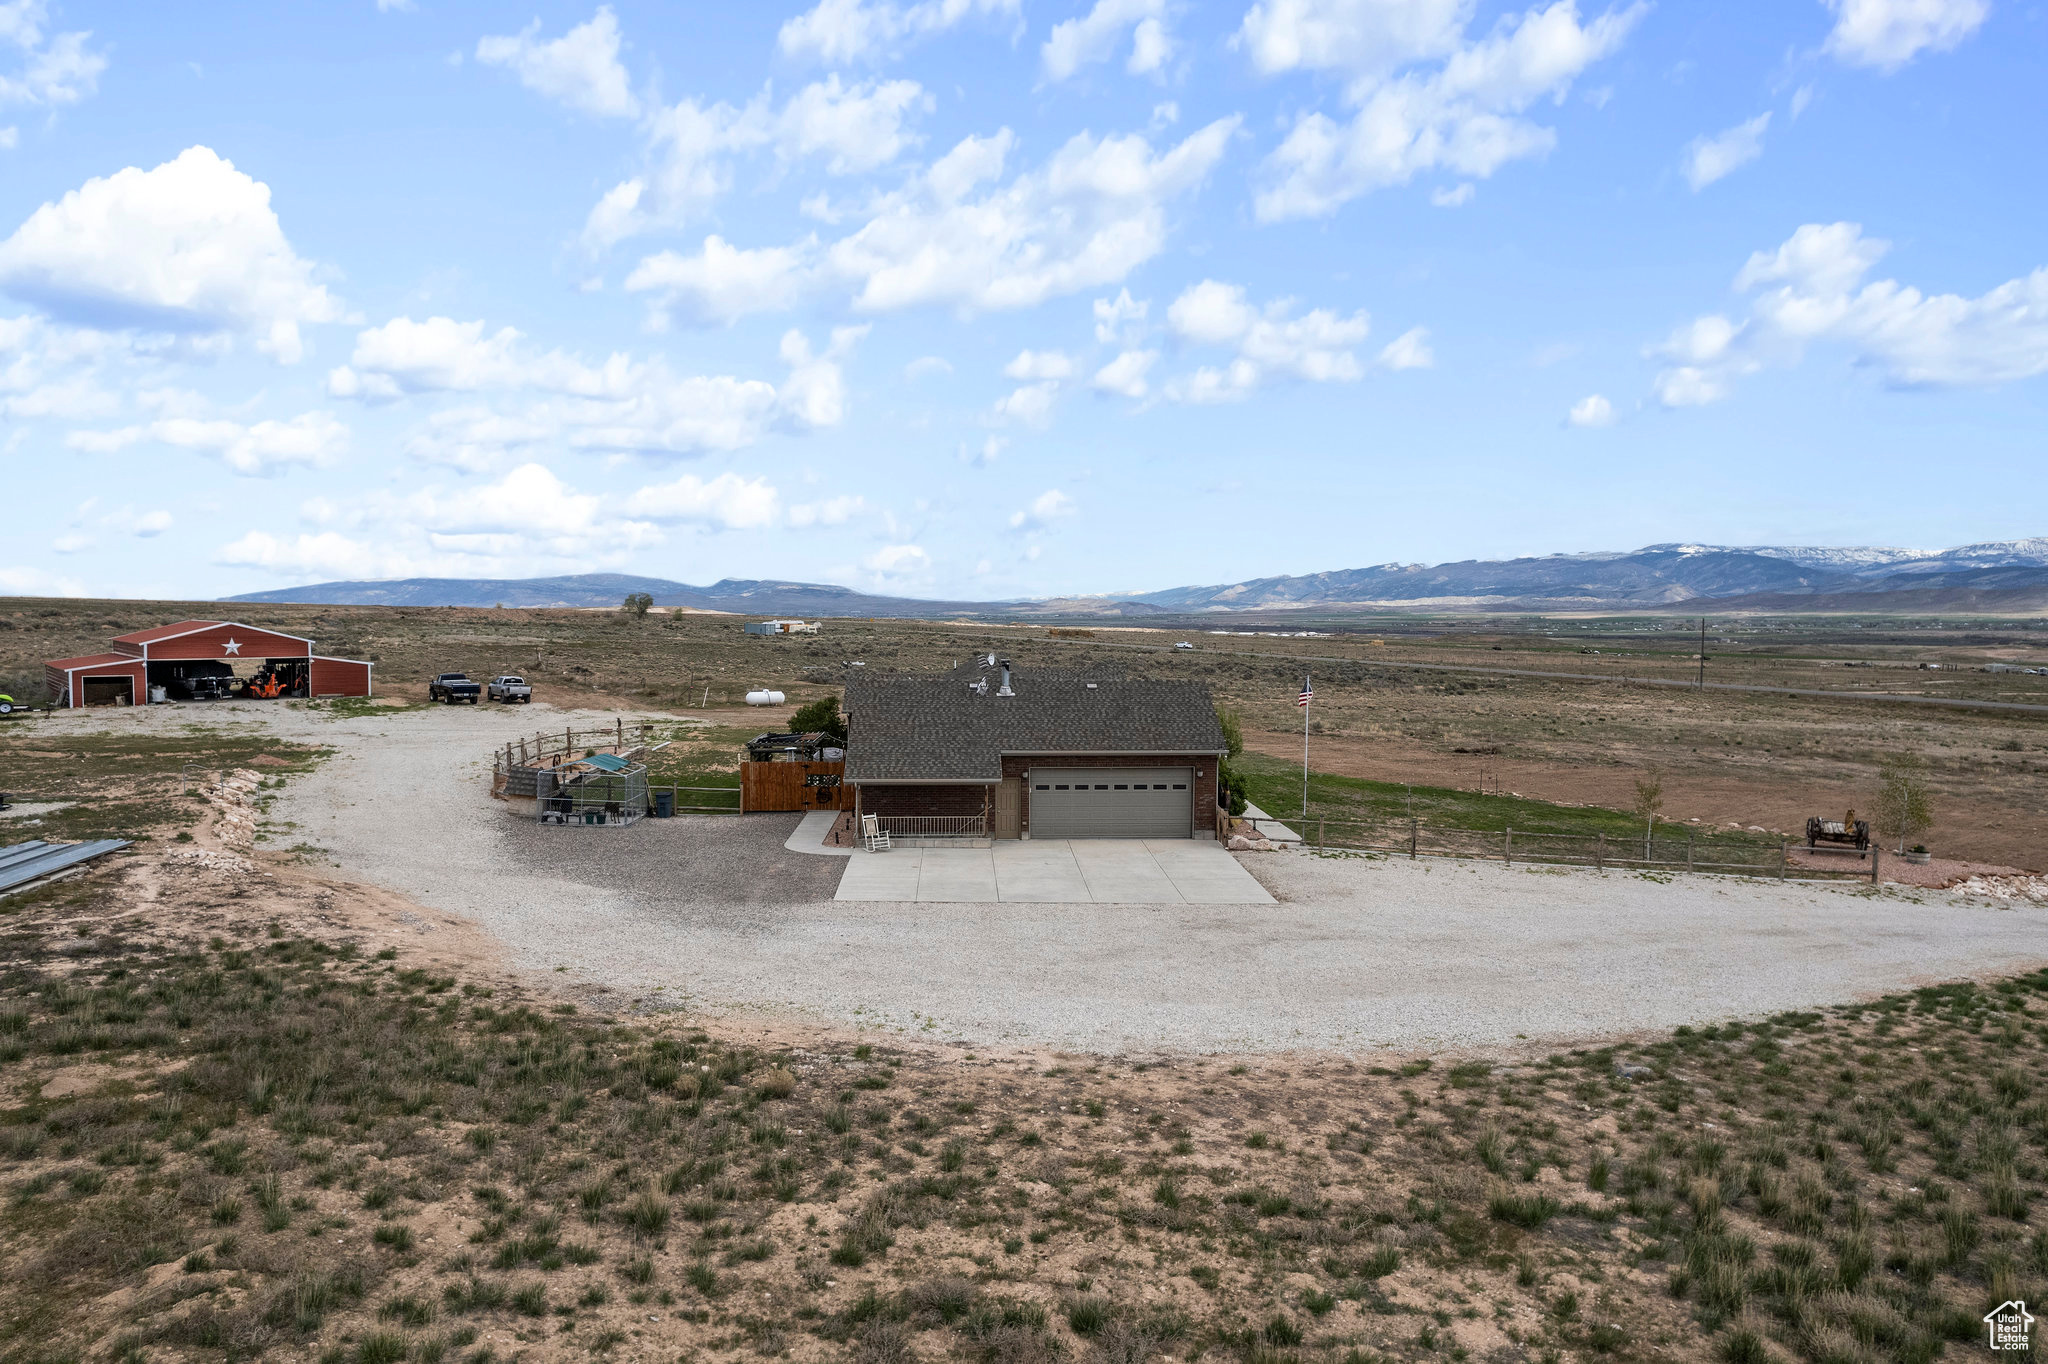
820 717
1649 800
638 603
1233 731
1905 807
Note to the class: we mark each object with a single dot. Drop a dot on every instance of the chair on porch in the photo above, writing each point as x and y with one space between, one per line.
873 834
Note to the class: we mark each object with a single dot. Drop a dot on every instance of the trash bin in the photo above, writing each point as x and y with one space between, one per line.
664 804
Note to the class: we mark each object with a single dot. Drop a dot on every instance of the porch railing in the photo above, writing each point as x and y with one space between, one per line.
934 826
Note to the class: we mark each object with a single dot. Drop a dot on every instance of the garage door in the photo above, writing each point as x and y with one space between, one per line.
1111 802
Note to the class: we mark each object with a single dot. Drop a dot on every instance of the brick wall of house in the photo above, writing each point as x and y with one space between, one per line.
922 800
1202 764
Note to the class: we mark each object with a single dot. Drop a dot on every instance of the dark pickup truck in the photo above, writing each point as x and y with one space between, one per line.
450 688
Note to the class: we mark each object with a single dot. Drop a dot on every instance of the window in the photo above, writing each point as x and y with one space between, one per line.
1160 787
1180 786
1041 787
1104 786
1126 788
1059 788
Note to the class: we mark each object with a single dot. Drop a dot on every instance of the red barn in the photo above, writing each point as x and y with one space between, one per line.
145 658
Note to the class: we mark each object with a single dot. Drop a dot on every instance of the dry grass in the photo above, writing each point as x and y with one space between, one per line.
282 1145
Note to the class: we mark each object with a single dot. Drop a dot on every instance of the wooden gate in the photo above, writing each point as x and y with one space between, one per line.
791 786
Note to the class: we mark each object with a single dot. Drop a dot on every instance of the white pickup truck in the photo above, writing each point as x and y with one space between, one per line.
509 689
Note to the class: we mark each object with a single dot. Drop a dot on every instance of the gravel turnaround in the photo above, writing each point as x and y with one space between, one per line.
1359 954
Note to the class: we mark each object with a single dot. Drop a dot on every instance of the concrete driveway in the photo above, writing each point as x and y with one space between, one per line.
1056 871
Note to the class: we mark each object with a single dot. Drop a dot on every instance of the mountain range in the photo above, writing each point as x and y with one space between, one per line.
2001 576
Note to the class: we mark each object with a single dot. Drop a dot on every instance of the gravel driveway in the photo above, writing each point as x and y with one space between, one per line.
1358 954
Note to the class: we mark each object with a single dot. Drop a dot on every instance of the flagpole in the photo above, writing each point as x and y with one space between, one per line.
1308 691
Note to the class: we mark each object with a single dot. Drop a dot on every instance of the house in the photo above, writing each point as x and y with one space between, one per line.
781 627
988 750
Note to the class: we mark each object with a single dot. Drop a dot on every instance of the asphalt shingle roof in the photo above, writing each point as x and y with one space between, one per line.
936 728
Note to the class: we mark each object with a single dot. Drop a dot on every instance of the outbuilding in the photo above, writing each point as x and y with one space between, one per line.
159 658
987 750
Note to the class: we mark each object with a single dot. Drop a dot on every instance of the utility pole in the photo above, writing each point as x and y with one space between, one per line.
1703 653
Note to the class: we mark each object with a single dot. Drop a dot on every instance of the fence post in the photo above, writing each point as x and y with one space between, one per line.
1873 863
1507 848
1783 844
1411 838
1320 823
1688 850
1600 853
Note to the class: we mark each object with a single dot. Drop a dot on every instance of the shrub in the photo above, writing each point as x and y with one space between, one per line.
776 1083
1528 1210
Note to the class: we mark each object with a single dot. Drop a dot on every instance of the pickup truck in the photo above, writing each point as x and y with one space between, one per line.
509 689
450 688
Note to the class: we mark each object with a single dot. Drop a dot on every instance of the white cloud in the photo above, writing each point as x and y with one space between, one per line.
580 69
1270 343
1887 34
1092 214
833 511
73 544
1048 507
1087 218
191 247
38 582
690 148
56 69
727 502
1211 312
1363 37
1120 319
1464 116
1125 375
1030 404
926 367
987 453
723 283
1707 159
10 137
325 554
1812 289
1409 350
836 32
1592 410
815 393
1040 364
856 128
1457 196
898 562
312 439
1093 38
621 404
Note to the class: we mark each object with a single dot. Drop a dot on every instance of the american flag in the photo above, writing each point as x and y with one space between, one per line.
1308 693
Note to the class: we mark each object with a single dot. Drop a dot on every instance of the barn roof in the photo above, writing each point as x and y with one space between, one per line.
158 633
913 728
91 661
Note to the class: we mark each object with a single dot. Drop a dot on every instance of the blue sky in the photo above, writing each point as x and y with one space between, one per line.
995 297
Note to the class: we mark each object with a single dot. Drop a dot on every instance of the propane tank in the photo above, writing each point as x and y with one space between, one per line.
764 698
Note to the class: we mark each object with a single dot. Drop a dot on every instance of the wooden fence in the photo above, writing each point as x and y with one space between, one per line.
1412 838
793 786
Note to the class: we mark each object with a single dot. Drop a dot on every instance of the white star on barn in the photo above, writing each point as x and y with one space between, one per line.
234 646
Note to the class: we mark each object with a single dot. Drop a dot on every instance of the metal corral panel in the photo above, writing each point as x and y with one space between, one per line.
1111 802
31 861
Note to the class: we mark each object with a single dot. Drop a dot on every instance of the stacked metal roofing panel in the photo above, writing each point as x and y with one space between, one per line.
31 861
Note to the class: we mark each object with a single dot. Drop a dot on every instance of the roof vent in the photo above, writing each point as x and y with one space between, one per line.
1004 690
1089 685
